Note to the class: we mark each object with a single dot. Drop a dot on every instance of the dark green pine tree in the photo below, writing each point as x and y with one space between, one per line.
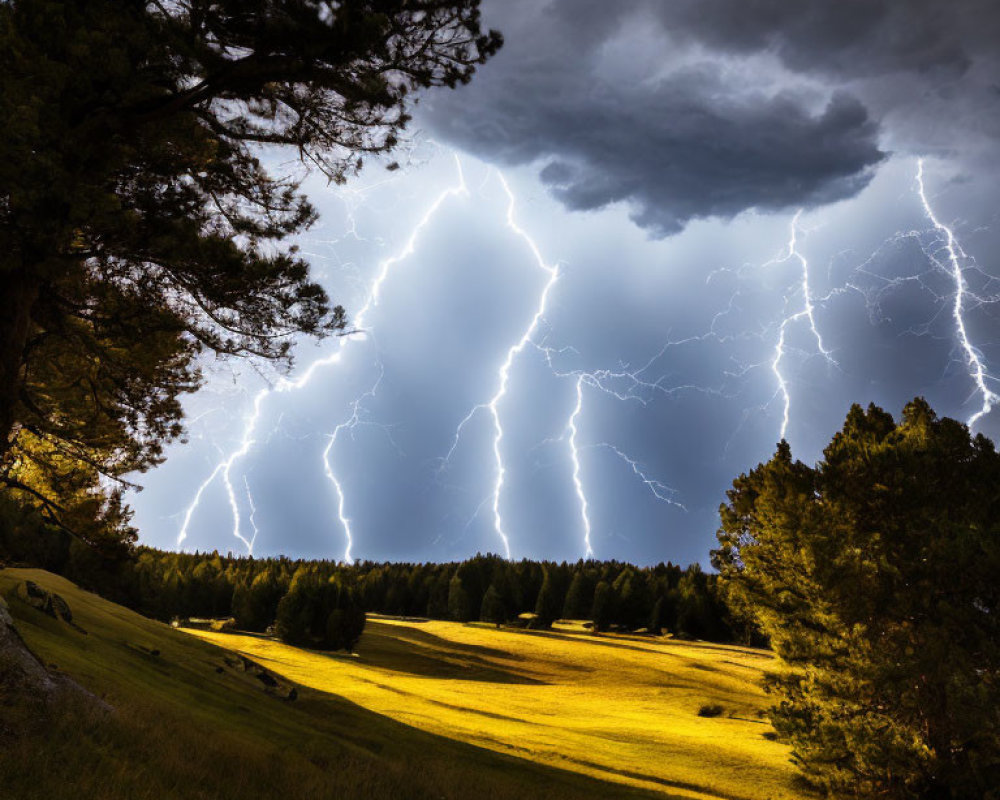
874 574
459 603
549 603
579 596
494 609
603 608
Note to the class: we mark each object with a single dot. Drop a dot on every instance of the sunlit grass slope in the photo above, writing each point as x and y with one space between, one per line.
188 724
622 709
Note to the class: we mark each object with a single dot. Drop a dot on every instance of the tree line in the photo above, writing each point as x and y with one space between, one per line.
295 597
261 593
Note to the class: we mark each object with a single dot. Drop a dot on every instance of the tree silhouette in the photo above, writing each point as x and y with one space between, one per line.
138 226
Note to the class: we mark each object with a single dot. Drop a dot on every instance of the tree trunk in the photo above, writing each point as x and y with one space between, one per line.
18 292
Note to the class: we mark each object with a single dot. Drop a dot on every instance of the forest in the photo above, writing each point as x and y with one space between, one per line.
296 597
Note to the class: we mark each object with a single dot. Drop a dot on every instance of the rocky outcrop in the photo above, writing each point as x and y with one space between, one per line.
20 672
47 602
272 685
23 678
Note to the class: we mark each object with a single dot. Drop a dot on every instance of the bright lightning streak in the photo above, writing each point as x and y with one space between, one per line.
807 313
287 385
194 503
574 450
339 492
954 250
512 353
632 385
352 422
253 513
659 489
503 372
599 380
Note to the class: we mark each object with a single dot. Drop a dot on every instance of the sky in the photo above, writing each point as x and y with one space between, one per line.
644 244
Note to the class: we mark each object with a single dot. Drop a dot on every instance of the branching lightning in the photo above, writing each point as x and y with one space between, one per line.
603 380
253 514
350 424
503 373
806 313
777 336
287 385
954 255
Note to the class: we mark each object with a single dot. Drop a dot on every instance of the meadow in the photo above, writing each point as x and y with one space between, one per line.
424 709
655 713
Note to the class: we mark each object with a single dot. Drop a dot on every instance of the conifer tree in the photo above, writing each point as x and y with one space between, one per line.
549 603
602 609
874 574
493 610
459 603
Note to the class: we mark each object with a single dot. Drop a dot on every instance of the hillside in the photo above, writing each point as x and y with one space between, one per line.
626 709
425 710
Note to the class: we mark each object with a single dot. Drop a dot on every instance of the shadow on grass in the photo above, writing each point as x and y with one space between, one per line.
186 731
424 654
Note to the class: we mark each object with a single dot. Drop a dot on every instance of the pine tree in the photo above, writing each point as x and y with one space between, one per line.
875 576
549 603
459 604
602 609
493 609
579 596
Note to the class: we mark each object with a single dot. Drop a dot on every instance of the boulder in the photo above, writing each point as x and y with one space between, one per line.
47 602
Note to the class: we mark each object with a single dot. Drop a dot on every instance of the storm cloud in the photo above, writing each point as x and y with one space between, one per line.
687 110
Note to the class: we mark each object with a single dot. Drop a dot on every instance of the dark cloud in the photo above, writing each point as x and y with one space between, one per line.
702 108
686 144
686 158
843 37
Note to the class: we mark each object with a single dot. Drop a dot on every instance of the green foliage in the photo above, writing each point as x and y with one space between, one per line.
138 226
601 612
549 602
494 609
255 601
459 602
579 596
874 574
633 599
167 584
318 612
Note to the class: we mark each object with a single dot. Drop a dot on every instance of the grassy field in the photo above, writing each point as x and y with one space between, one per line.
427 710
622 709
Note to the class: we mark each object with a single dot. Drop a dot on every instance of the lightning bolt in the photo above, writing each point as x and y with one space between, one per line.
659 490
503 372
604 380
954 253
350 424
574 450
284 385
806 313
253 513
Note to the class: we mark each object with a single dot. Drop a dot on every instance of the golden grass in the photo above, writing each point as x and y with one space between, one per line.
623 709
186 725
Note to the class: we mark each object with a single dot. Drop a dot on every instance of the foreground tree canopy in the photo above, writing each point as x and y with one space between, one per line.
138 226
875 574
